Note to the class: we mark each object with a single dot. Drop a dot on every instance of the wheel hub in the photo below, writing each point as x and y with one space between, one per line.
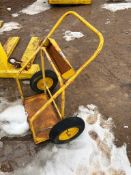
68 134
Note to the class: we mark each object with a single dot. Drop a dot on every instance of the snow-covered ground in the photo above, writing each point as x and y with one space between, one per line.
9 26
37 7
13 120
93 153
117 6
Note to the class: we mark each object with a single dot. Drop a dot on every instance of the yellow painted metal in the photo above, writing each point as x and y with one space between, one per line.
43 68
66 84
78 72
10 45
9 71
48 81
31 48
29 60
70 72
1 23
3 59
68 134
60 81
70 1
54 43
20 89
56 106
46 85
13 73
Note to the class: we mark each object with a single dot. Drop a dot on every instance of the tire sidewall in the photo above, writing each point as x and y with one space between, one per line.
38 76
63 125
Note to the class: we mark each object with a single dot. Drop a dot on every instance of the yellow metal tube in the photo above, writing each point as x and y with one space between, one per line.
20 89
60 81
43 68
92 28
53 101
44 77
70 1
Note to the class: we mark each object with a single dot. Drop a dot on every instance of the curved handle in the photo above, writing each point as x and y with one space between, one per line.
88 25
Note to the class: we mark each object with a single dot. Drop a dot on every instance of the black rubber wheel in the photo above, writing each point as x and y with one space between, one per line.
37 77
67 130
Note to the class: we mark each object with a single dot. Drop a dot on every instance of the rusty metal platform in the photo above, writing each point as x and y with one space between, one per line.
59 59
45 121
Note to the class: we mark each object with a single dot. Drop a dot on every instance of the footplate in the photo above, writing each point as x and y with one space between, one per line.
45 121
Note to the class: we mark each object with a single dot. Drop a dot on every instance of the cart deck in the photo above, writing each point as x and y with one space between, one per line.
46 120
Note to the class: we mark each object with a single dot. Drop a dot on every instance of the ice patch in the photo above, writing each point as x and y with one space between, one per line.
117 6
107 21
15 15
9 26
37 7
26 82
93 153
69 36
13 121
126 126
9 9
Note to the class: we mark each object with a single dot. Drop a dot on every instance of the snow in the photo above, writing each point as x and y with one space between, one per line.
9 26
1 144
93 153
13 120
15 15
9 9
107 21
117 6
37 7
69 35
26 82
126 126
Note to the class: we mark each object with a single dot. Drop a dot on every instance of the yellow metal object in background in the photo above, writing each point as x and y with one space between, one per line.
10 45
9 71
13 73
68 134
31 48
3 59
70 1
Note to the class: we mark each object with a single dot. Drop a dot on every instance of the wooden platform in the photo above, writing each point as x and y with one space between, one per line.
45 121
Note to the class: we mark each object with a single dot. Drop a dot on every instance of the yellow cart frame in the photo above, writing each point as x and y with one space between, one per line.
63 84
